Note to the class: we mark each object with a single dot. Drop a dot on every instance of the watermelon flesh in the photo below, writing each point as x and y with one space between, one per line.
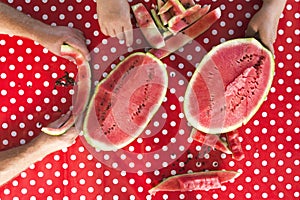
195 181
235 145
82 89
229 85
125 101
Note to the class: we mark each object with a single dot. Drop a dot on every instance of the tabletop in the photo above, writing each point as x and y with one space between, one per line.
30 99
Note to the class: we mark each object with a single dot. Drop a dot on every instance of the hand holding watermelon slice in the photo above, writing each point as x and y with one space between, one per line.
16 160
17 23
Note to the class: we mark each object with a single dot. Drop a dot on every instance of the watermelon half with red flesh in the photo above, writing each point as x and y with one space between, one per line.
229 85
195 181
125 101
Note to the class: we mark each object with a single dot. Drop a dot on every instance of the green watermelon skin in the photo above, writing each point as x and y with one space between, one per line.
229 85
125 101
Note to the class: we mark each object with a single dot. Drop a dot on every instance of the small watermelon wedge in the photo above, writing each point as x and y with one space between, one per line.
211 140
191 15
235 145
164 7
148 26
195 181
164 17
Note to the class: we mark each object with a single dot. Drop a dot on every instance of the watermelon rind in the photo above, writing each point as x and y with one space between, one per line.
106 144
188 104
84 84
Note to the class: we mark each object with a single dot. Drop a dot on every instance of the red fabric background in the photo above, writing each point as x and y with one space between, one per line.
29 99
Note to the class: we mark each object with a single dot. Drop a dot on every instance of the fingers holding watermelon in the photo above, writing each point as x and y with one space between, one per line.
53 37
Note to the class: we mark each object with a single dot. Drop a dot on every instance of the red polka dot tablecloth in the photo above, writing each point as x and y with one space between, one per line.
31 97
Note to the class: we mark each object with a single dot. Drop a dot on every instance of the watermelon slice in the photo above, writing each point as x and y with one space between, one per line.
164 17
191 15
211 140
235 145
148 26
125 101
182 38
82 89
177 7
195 181
227 89
164 7
157 21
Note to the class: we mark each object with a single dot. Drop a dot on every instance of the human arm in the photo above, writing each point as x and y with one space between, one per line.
14 22
18 159
264 23
114 19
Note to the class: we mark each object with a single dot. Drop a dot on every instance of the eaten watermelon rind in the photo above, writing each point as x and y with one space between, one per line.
108 145
84 85
243 120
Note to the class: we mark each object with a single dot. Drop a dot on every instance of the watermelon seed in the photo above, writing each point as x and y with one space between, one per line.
66 80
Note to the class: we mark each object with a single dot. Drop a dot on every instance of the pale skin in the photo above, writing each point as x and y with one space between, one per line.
18 159
114 21
264 23
17 23
13 22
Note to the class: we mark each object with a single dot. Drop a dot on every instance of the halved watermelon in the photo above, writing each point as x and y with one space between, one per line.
195 181
125 101
229 85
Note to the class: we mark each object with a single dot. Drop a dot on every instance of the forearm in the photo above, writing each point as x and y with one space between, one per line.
15 22
16 160
275 6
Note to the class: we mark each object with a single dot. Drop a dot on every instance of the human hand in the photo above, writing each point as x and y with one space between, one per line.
264 24
114 19
55 143
52 37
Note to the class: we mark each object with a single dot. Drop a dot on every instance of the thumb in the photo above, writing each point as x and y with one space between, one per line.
251 32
